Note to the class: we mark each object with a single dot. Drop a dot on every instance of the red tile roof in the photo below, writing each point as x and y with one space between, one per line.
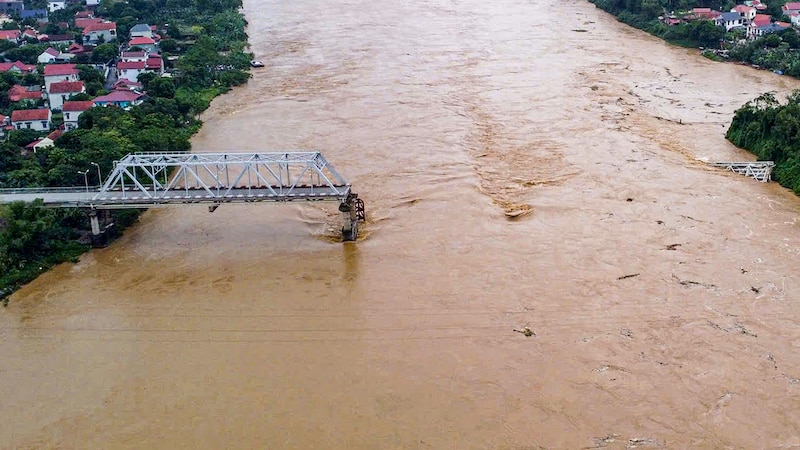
55 134
5 67
66 87
102 26
17 93
742 8
791 6
60 69
118 96
22 115
125 55
9 34
141 40
77 105
762 19
60 37
122 65
83 14
83 23
76 48
154 63
51 51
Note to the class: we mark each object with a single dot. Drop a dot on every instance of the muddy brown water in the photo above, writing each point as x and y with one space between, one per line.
518 160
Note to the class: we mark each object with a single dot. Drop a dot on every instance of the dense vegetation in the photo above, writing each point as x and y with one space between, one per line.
772 132
208 36
643 14
774 51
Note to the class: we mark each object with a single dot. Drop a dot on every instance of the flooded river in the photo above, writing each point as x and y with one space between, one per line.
524 165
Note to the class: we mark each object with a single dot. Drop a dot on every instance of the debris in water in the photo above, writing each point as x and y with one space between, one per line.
772 358
625 277
642 442
626 332
693 283
526 331
604 441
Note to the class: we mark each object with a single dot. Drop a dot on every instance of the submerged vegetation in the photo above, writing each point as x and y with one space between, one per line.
204 45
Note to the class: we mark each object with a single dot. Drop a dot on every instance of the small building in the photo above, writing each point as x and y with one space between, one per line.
11 7
130 69
141 30
10 35
29 33
48 56
127 85
38 14
72 111
18 67
31 119
145 43
60 39
771 28
19 93
129 56
790 7
61 91
729 20
122 99
748 13
154 64
55 5
54 73
83 22
100 32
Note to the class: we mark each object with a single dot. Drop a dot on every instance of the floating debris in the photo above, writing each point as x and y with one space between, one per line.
625 277
526 331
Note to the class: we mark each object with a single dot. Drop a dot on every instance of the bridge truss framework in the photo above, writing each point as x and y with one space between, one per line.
143 180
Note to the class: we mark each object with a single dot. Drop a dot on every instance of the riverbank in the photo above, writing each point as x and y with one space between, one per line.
211 48
762 126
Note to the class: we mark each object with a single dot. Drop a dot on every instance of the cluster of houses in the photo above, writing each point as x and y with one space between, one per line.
62 78
747 17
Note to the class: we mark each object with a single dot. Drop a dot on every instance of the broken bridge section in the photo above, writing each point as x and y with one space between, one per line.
144 180
760 170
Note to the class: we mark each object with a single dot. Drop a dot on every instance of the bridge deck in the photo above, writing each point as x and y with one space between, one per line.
132 198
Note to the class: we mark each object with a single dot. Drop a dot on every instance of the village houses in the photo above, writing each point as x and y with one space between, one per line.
59 72
31 119
61 91
96 33
72 111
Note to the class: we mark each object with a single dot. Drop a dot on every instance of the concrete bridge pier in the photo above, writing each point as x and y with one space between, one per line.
353 211
99 235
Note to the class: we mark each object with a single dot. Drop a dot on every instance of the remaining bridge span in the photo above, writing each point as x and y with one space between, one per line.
760 170
144 180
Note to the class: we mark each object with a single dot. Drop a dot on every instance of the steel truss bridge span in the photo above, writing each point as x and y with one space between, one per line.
143 180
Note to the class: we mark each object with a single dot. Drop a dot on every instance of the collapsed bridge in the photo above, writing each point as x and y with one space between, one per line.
145 180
